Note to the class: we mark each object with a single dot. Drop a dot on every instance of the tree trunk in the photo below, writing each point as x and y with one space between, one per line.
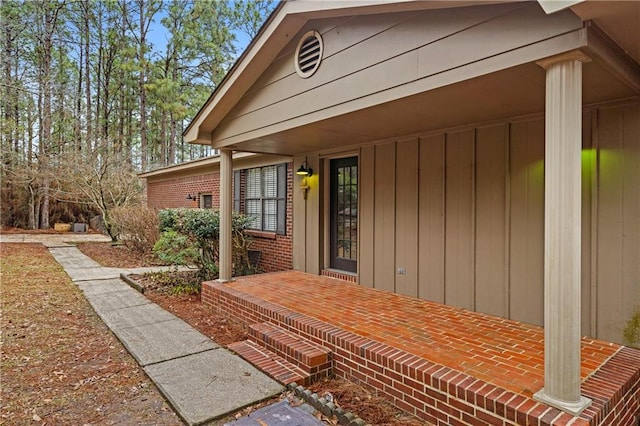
32 209
143 91
77 131
163 139
99 77
172 141
86 6
173 123
50 15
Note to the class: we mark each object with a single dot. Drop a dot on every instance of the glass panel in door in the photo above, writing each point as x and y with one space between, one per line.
344 214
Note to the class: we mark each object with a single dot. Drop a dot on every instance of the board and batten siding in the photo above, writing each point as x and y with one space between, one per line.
458 218
617 219
371 59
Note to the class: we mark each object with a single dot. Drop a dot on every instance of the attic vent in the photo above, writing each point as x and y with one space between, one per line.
309 54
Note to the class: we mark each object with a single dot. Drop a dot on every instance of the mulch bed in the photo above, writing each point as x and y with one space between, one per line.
117 255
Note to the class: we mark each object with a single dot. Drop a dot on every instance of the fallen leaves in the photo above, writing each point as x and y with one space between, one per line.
60 363
117 256
363 402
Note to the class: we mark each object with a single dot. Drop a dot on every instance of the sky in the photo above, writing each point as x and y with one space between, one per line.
158 36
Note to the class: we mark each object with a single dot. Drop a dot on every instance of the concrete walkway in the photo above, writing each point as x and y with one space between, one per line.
54 240
201 380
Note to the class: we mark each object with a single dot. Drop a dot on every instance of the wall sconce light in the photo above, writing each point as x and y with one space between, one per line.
305 171
191 197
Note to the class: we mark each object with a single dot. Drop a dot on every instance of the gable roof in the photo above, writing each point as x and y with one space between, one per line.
290 17
283 23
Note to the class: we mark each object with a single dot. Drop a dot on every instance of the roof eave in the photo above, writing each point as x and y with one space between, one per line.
274 34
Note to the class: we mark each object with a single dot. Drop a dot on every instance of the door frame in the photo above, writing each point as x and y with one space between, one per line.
332 262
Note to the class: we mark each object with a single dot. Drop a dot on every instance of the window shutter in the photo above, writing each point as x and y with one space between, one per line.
282 199
236 191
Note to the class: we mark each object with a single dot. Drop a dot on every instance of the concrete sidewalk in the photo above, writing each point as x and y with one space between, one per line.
53 240
200 379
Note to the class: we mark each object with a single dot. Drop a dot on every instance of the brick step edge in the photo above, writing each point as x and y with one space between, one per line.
296 349
328 408
271 364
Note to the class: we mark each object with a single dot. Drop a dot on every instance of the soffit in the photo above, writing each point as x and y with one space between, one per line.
508 93
241 160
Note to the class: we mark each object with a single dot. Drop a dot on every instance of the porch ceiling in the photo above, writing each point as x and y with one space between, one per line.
508 93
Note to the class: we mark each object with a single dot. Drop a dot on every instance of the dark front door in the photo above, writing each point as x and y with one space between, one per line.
344 214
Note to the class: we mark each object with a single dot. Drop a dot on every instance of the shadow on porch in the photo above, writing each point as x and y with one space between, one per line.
444 364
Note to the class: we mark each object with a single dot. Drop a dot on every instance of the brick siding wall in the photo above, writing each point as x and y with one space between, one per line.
172 193
276 250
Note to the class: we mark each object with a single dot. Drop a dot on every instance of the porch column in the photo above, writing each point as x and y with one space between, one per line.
562 234
226 207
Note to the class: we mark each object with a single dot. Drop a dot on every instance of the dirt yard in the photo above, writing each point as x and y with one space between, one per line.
60 363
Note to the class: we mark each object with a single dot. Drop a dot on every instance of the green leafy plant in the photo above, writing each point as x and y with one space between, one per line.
185 289
631 331
176 249
191 237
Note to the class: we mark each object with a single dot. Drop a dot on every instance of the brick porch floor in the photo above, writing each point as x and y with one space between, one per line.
399 345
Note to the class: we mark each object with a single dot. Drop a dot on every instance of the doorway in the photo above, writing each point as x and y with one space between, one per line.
344 214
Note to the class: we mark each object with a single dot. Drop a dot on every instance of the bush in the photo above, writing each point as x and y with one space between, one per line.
176 249
191 236
137 227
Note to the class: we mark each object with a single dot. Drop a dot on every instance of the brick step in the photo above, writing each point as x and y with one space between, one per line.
310 357
271 364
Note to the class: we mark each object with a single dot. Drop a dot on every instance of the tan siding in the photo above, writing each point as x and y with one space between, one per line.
387 59
631 211
618 266
491 255
283 67
527 221
487 38
299 221
459 255
314 227
384 205
364 34
407 217
588 174
471 234
366 216
431 218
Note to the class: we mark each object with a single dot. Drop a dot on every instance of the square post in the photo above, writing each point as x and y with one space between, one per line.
562 234
225 267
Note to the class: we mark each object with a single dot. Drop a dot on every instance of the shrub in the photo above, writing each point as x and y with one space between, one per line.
191 236
137 227
176 249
